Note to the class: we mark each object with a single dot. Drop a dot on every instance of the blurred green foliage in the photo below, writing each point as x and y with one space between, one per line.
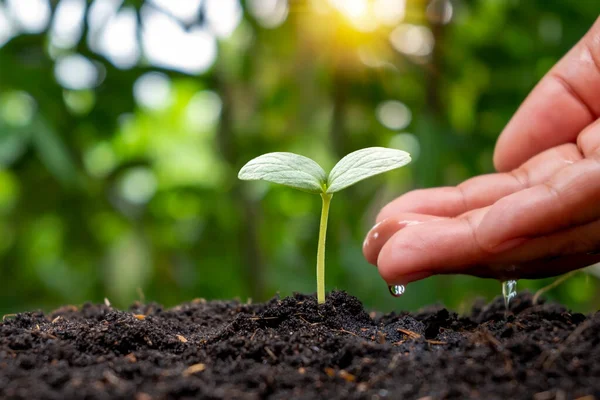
127 186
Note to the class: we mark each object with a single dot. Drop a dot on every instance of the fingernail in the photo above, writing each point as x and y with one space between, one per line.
509 245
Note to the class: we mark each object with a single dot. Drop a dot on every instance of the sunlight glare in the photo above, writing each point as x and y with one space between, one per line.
168 45
153 91
353 9
440 11
76 72
138 185
7 30
32 16
67 23
118 39
269 13
389 12
413 40
223 16
359 13
99 13
393 114
184 10
203 110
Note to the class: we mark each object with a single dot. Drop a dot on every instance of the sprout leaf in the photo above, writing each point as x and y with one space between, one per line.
287 169
363 164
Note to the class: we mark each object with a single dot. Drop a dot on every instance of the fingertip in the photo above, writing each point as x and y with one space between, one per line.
500 160
383 230
395 272
396 259
443 246
369 247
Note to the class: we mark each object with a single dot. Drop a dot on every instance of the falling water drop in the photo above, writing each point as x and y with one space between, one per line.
509 290
396 290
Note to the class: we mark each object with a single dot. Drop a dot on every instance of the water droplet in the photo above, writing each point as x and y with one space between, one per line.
509 291
396 290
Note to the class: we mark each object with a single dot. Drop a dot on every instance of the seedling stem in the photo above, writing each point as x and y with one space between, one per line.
321 248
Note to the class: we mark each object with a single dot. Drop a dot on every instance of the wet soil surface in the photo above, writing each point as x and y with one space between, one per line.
291 348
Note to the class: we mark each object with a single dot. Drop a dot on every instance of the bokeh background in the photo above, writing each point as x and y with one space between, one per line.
123 125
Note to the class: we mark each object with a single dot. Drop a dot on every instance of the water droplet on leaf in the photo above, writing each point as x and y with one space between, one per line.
396 290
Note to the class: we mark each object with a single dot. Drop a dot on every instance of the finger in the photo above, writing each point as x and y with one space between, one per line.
483 190
444 246
563 103
549 255
570 198
588 140
384 230
449 246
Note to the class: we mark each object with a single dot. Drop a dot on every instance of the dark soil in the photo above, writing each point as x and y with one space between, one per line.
291 348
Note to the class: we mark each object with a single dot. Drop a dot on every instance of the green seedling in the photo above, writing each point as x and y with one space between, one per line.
302 173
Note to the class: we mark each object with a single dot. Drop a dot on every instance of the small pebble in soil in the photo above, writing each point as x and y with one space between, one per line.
396 290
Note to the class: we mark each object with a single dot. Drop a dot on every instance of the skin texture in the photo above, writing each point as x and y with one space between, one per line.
538 216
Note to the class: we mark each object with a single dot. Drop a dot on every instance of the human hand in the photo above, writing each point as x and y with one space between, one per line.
539 216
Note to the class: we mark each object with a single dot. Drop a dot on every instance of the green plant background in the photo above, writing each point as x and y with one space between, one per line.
103 197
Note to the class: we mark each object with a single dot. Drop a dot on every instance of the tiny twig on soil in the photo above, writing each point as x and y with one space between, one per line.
304 319
262 318
552 285
437 342
192 369
254 334
182 339
410 334
488 337
44 335
5 316
270 353
345 331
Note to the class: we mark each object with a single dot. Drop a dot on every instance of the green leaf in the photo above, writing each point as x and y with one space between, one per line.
287 169
363 164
